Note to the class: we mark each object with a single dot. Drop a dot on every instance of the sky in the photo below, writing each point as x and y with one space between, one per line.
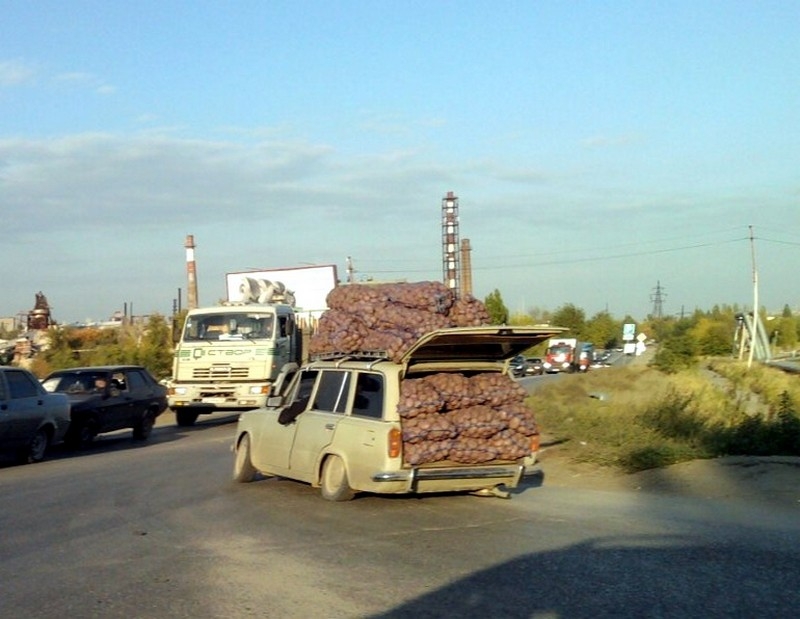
603 153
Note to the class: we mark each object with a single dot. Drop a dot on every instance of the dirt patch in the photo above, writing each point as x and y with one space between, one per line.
773 479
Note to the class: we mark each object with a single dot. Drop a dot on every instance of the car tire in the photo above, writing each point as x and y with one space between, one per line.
80 436
334 484
144 427
37 447
185 418
243 469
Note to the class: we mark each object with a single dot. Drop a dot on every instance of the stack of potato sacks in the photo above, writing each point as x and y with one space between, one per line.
446 416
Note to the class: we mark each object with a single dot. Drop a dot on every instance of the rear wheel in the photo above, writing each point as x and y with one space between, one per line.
38 446
243 469
334 484
186 417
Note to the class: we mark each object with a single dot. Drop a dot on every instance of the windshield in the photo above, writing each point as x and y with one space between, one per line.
230 326
560 349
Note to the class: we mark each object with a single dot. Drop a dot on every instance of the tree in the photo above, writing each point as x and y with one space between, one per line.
498 312
155 347
571 317
714 335
602 330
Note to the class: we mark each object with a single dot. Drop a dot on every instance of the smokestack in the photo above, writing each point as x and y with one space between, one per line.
450 244
191 273
466 268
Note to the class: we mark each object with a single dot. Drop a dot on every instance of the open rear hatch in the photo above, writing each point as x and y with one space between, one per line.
483 344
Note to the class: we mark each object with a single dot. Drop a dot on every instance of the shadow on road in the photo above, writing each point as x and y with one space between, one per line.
622 577
165 431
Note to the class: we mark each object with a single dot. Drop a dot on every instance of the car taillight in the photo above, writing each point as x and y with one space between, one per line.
535 443
395 442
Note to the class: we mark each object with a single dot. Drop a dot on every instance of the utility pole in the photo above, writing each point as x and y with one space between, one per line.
755 300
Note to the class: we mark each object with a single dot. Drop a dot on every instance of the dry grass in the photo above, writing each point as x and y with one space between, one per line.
635 417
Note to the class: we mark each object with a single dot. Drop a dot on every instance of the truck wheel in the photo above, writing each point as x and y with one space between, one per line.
144 427
186 417
37 447
243 469
333 483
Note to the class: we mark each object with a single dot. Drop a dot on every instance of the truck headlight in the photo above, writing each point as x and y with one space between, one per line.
177 390
259 390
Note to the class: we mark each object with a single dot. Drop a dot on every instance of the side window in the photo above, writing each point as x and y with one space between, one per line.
302 394
369 396
3 394
20 385
136 381
282 328
119 381
285 385
306 385
332 391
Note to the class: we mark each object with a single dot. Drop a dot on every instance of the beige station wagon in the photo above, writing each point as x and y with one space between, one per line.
446 417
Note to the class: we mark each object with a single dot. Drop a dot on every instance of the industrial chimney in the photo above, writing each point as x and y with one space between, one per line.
191 273
450 249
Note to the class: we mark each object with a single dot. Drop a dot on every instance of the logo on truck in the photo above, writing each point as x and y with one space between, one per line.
199 353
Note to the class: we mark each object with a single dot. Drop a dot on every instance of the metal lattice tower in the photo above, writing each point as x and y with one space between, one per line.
450 244
658 301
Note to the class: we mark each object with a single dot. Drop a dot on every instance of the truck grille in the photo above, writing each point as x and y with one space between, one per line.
220 372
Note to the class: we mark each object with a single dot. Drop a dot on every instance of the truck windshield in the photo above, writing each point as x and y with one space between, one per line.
229 326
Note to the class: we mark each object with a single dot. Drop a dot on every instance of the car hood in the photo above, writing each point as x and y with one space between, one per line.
481 344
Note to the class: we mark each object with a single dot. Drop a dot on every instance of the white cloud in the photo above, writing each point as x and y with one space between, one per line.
612 141
16 72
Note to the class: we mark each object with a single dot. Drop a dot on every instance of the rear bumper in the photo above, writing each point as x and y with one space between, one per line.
450 478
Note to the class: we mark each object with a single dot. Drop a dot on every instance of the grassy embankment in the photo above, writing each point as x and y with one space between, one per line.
636 418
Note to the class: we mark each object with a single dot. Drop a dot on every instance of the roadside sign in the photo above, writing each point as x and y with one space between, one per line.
628 331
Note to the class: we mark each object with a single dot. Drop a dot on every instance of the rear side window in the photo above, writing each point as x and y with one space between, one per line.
20 385
332 391
369 396
136 381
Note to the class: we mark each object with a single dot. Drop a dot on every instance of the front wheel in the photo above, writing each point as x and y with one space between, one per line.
334 484
243 469
80 436
144 427
38 446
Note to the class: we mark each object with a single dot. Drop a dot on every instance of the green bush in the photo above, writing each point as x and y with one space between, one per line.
638 418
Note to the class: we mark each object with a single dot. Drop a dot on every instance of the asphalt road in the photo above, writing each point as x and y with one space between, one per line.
159 530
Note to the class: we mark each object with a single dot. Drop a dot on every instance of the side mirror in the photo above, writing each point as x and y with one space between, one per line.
274 401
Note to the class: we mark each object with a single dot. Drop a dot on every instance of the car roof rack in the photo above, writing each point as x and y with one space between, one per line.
358 355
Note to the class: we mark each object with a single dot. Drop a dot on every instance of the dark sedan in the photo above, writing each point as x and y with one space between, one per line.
108 398
533 366
31 419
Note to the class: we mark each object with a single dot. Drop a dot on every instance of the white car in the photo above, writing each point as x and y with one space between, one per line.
448 417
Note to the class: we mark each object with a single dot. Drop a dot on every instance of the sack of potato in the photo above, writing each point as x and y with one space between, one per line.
404 311
481 418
